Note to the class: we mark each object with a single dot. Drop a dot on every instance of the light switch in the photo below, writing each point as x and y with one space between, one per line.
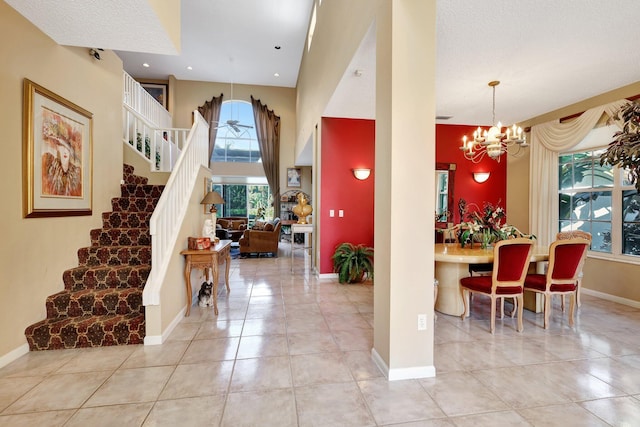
332 213
340 213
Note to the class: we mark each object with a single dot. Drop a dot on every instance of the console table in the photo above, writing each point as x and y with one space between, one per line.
207 259
307 230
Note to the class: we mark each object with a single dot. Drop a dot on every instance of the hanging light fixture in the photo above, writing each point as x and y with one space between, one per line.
492 142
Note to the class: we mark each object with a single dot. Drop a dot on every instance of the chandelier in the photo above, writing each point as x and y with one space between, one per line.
492 142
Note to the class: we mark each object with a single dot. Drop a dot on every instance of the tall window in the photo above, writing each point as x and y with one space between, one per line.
599 200
236 139
252 201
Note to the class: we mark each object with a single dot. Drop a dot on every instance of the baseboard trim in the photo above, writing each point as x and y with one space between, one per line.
403 373
328 276
14 355
159 339
609 297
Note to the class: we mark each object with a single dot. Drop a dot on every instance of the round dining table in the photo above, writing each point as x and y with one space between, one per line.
452 264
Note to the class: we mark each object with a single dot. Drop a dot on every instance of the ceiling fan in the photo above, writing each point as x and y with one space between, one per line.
235 125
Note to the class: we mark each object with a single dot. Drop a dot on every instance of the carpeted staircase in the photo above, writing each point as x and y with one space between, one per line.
101 303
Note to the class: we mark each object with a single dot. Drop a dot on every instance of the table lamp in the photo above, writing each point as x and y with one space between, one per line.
212 198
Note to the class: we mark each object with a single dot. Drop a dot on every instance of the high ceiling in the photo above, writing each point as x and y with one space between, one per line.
547 54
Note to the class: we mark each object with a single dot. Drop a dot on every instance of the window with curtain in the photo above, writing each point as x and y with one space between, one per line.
236 142
599 200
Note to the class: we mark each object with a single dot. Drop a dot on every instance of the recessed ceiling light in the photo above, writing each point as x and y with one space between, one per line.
278 47
145 65
189 67
276 74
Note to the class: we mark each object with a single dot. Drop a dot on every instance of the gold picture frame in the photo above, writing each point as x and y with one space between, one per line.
158 91
57 155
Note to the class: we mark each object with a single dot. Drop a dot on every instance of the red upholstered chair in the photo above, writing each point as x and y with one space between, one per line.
510 263
563 235
565 264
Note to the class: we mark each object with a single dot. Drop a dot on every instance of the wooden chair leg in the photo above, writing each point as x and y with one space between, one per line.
464 301
572 307
547 309
493 311
578 290
520 299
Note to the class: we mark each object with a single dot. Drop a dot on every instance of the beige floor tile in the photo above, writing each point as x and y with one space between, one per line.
269 408
618 411
570 414
507 418
219 329
262 346
319 368
38 363
11 389
263 327
263 373
354 339
211 350
459 393
107 416
312 342
166 354
331 405
49 419
185 331
398 401
98 359
342 321
63 391
190 412
198 379
361 365
131 386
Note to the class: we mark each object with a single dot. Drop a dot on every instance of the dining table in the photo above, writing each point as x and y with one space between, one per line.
452 264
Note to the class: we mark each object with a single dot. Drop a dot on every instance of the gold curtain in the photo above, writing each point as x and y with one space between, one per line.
211 113
268 133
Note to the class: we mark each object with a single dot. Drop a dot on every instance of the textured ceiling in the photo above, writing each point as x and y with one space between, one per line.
547 54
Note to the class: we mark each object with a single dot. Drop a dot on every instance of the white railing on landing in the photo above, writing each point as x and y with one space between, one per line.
171 208
136 97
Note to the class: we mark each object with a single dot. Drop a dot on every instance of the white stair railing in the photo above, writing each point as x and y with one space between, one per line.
171 209
136 97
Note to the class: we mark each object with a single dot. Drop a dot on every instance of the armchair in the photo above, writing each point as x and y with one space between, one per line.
264 240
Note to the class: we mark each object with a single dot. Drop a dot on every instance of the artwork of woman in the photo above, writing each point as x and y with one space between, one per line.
61 176
302 209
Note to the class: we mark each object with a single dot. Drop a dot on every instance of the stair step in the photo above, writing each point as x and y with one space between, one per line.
94 302
114 255
133 204
102 277
120 237
86 331
127 169
126 219
135 179
139 190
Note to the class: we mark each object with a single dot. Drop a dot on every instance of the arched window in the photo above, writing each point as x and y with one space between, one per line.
236 140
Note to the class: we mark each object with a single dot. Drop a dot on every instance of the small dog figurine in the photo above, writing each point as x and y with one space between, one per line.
205 296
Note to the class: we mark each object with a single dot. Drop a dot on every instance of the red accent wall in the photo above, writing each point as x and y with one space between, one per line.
346 144
494 190
350 143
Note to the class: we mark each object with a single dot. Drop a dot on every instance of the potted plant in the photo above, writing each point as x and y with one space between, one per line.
624 150
353 262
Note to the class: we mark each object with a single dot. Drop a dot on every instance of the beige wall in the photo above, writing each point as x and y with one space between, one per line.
187 96
605 277
35 252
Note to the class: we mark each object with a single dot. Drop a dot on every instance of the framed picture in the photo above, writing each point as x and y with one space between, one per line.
158 91
57 155
293 177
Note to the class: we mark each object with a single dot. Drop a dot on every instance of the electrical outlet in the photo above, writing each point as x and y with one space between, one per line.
422 322
341 213
332 213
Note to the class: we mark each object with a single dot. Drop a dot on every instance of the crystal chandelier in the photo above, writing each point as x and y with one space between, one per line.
492 142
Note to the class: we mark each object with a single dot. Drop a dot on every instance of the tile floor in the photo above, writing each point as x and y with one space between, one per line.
291 350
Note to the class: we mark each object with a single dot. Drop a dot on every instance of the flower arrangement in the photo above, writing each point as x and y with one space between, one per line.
485 225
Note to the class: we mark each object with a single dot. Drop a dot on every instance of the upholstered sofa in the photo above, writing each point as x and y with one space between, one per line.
262 238
231 227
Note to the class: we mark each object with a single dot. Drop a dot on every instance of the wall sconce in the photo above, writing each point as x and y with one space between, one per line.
481 177
361 173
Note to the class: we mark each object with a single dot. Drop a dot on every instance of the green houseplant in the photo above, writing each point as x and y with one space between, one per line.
353 262
624 150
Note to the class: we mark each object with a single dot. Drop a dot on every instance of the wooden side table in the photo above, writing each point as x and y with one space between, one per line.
207 259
